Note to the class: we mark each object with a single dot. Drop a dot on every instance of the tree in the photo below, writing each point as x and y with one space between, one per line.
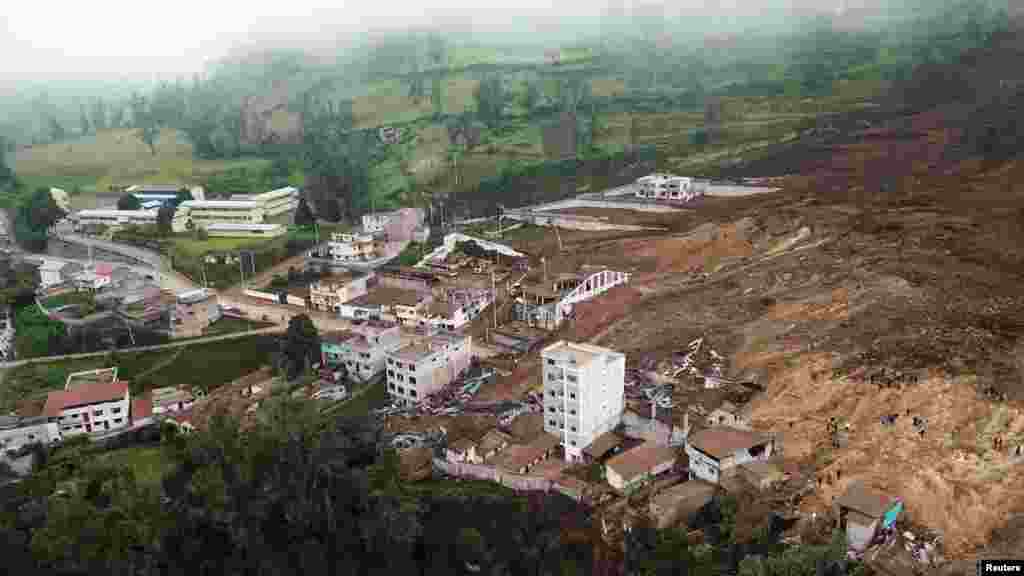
201 234
86 128
303 214
128 202
56 130
490 100
164 217
531 96
6 174
99 114
300 345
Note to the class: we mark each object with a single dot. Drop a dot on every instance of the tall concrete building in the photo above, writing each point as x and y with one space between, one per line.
584 387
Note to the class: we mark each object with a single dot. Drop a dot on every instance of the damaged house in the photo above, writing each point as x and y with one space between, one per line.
548 300
863 512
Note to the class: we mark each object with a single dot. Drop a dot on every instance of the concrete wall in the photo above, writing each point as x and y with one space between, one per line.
493 474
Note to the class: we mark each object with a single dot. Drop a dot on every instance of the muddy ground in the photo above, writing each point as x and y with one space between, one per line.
832 297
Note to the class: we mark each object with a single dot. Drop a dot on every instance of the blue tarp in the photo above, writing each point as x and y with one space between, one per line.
891 515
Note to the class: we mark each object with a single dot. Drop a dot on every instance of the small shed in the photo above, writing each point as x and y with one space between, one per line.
864 511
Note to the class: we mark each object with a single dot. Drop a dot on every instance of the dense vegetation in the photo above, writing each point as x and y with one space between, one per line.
33 218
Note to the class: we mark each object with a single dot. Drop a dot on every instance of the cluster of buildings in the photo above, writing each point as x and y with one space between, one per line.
239 216
370 243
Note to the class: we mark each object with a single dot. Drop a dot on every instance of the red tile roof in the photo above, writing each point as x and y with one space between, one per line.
722 441
83 395
142 407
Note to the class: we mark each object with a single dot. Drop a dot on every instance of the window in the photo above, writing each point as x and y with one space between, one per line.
118 421
551 362
551 409
412 379
551 392
571 378
572 411
391 374
116 410
573 428
31 436
572 395
412 391
572 442
97 413
552 423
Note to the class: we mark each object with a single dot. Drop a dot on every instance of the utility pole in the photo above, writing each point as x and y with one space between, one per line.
494 299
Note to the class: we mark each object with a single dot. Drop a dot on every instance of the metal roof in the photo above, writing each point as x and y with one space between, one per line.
239 226
214 204
722 441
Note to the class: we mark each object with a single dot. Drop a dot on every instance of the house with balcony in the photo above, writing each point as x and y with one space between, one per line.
546 300
356 247
92 402
363 349
459 307
584 393
422 368
328 294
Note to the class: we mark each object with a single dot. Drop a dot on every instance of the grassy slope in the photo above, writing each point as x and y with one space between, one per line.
208 365
116 158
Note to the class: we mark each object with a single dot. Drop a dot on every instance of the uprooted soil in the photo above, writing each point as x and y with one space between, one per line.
890 256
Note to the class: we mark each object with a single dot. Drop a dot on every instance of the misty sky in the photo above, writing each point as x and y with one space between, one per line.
128 39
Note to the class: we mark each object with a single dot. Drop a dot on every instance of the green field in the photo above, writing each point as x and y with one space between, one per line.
118 158
207 365
233 325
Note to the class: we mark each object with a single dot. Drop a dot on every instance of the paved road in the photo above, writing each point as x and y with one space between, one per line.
177 344
170 279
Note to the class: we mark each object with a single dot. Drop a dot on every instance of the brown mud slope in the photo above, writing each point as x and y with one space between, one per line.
894 252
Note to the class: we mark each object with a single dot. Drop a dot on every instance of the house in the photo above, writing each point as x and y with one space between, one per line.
50 273
357 247
328 294
717 451
363 349
405 306
402 226
668 187
633 467
243 230
651 423
17 432
520 458
171 399
461 450
91 402
115 218
547 300
493 441
331 393
680 502
94 279
422 368
863 511
584 389
141 410
728 414
375 222
459 307
61 199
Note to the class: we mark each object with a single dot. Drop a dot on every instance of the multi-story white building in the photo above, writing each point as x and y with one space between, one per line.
584 387
202 212
50 273
163 192
667 187
121 218
171 399
274 202
356 247
92 402
363 349
419 369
